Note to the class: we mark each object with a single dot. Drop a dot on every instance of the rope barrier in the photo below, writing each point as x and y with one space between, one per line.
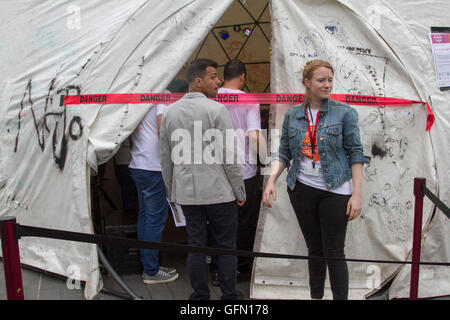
11 232
29 231
445 210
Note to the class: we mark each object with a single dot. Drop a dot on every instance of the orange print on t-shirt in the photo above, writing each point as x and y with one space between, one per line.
306 146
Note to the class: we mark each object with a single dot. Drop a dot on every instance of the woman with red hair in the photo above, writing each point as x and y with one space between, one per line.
321 137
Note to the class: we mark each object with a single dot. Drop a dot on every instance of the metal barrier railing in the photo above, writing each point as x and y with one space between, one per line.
420 190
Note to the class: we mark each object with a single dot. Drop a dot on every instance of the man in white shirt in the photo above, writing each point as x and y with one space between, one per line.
246 120
145 170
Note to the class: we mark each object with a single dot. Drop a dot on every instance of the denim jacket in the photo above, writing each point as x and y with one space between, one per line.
338 142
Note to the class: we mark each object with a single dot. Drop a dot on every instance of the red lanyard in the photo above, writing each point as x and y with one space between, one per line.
312 137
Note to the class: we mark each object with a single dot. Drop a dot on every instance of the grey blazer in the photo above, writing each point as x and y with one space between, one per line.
195 167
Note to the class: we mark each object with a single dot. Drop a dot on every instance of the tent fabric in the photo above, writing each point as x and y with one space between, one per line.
47 152
413 29
378 48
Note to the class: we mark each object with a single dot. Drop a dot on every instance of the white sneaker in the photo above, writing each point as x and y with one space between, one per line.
168 269
160 277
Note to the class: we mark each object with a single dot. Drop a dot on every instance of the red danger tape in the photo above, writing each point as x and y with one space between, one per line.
240 98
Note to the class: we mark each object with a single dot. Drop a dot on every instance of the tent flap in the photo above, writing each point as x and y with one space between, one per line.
375 50
53 48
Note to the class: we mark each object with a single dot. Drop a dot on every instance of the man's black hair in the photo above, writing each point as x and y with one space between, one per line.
197 68
178 86
233 69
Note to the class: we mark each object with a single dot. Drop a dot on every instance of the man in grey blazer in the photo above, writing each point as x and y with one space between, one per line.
201 172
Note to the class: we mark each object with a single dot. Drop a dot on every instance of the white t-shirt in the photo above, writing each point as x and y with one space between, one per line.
145 142
318 181
245 118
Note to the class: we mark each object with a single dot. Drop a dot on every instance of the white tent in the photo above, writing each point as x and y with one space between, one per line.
47 152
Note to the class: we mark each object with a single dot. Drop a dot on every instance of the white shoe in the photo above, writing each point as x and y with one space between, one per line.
165 269
168 269
159 277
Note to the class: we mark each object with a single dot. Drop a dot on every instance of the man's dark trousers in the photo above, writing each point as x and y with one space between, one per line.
220 220
248 216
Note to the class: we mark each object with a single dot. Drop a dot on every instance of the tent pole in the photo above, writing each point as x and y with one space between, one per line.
116 277
116 293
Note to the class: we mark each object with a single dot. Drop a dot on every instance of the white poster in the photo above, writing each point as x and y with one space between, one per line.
440 45
177 212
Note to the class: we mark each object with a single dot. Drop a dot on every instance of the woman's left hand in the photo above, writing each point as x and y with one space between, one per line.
354 207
